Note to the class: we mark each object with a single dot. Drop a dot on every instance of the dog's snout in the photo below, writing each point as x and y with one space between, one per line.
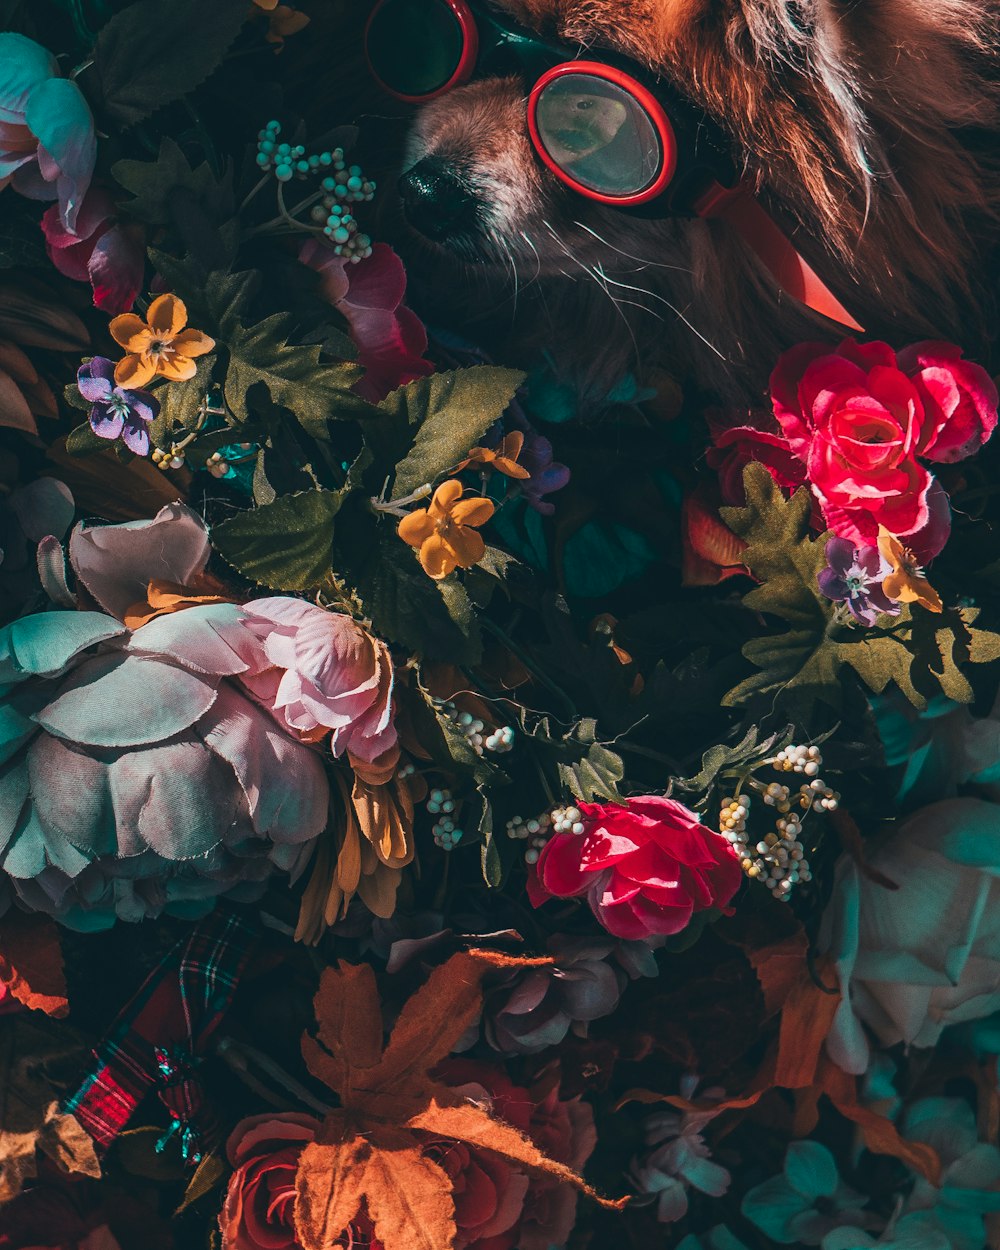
436 200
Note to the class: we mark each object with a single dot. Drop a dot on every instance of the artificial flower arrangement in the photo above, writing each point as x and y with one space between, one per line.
427 818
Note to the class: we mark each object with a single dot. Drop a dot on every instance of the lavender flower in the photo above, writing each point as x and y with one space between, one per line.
854 576
115 411
545 473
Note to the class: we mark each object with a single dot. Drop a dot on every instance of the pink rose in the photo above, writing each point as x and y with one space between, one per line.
259 1211
391 340
109 256
645 867
959 398
497 1206
325 674
564 1130
738 445
859 419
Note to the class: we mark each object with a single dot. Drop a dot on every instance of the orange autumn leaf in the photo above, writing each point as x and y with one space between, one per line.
31 962
371 1149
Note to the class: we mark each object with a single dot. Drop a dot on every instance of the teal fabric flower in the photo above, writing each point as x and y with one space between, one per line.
47 141
717 1238
912 1232
807 1201
970 1182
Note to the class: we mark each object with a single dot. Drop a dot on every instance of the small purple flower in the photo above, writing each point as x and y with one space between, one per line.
115 411
854 576
547 474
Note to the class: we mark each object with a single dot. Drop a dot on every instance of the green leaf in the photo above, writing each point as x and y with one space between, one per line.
490 861
207 1177
136 1151
921 652
82 441
587 768
286 545
157 184
722 761
155 51
434 619
447 745
180 402
315 391
22 243
452 412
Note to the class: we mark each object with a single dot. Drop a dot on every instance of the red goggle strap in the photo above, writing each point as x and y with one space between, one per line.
740 209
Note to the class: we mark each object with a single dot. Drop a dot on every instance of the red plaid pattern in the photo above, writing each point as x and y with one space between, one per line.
158 1038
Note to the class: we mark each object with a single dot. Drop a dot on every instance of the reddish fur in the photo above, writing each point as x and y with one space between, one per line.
810 90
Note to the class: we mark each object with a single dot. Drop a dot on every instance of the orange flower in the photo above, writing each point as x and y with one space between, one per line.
502 458
158 345
906 583
445 533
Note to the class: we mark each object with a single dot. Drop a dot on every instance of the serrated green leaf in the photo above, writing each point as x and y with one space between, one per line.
451 412
260 354
180 402
207 1177
82 441
921 652
155 185
595 775
154 52
721 761
434 619
285 545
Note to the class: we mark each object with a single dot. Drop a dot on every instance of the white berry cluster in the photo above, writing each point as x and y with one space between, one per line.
446 833
534 831
805 760
537 831
497 740
779 858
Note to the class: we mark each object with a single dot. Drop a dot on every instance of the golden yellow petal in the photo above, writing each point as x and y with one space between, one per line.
125 327
437 557
473 511
133 371
175 368
192 343
167 316
416 528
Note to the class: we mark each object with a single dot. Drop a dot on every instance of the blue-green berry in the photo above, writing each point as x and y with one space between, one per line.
283 173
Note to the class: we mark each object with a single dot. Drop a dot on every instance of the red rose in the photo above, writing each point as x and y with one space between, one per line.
959 398
645 867
259 1211
859 419
109 256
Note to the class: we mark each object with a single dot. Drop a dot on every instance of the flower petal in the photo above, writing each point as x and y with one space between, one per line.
134 371
167 316
192 343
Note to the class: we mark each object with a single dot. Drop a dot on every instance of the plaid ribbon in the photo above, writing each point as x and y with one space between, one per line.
158 1038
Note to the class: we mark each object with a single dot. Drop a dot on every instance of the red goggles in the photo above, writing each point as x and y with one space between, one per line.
604 128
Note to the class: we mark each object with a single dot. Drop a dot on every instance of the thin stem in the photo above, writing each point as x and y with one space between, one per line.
240 1055
494 629
256 189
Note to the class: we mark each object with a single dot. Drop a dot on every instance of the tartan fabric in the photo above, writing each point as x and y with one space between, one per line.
157 1040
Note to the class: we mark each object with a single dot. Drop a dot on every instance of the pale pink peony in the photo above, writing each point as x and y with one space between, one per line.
324 674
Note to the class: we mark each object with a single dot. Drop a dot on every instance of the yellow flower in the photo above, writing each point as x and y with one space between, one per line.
502 458
445 533
158 345
906 583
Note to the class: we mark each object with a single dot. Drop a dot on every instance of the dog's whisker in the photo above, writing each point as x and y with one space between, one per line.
673 308
655 264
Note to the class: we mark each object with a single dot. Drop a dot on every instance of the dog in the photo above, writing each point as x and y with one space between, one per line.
867 126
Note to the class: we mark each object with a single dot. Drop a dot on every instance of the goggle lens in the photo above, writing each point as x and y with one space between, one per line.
415 47
599 135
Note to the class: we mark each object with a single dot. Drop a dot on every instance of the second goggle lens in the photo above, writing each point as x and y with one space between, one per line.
418 47
598 135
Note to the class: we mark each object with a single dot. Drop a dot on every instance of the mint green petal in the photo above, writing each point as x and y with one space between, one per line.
947 1124
24 65
972 1182
33 848
45 643
720 1238
772 1206
13 793
811 1170
126 700
15 728
58 114
598 558
848 1239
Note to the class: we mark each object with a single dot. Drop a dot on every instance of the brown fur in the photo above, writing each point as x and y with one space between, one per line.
867 122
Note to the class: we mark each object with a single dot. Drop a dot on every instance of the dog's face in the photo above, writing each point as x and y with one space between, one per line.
823 107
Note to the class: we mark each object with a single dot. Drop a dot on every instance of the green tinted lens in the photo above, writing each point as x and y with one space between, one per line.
599 134
414 46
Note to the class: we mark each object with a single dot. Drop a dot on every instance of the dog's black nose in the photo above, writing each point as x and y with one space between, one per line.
436 200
